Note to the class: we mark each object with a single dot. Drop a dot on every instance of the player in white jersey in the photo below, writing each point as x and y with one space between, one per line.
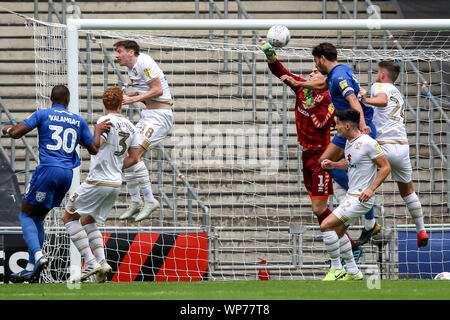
389 119
363 156
151 88
94 198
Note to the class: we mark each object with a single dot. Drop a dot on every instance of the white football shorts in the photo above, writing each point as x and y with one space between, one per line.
351 209
154 126
93 200
398 157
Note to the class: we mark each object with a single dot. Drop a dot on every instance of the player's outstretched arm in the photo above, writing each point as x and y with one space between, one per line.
17 131
328 164
269 51
155 90
320 85
384 169
380 100
99 128
356 105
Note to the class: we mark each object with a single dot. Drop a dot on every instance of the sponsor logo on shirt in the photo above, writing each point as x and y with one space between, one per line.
343 84
40 196
148 72
331 108
358 145
302 111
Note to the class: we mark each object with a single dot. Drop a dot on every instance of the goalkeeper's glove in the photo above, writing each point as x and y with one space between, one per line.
269 51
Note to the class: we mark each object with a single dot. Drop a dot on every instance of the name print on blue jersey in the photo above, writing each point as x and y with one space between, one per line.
60 131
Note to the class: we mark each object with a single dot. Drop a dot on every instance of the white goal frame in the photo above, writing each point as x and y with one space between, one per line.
74 25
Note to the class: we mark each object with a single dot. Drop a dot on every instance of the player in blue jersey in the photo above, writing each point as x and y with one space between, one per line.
59 131
344 89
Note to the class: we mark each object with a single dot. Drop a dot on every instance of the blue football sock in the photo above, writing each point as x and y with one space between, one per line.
31 259
30 233
40 228
369 215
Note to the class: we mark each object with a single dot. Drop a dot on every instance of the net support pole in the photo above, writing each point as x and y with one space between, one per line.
72 83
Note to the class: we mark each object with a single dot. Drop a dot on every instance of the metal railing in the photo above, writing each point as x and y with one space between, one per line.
190 194
250 62
30 156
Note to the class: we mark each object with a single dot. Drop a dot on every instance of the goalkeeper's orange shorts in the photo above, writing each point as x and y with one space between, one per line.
317 181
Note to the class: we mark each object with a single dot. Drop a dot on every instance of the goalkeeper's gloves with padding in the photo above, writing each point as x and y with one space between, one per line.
269 50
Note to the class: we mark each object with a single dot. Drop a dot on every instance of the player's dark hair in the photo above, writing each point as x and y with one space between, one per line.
60 95
325 49
392 68
128 45
112 98
349 115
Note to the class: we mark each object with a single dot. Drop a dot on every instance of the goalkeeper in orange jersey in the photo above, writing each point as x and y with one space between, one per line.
314 118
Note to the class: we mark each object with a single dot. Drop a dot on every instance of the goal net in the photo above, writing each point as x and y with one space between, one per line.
229 174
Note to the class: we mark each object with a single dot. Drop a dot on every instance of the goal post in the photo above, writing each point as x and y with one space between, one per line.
243 160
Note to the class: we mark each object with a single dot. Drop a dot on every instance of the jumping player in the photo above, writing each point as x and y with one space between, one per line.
151 88
389 119
91 203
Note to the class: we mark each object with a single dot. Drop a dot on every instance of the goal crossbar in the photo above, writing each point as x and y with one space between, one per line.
258 24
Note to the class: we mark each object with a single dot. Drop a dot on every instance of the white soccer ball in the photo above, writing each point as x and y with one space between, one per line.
442 276
278 36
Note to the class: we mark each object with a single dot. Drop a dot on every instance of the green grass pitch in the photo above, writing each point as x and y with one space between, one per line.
233 290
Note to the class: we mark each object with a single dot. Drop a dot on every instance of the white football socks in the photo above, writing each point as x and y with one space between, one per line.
347 255
80 240
331 241
369 223
415 209
95 241
138 179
